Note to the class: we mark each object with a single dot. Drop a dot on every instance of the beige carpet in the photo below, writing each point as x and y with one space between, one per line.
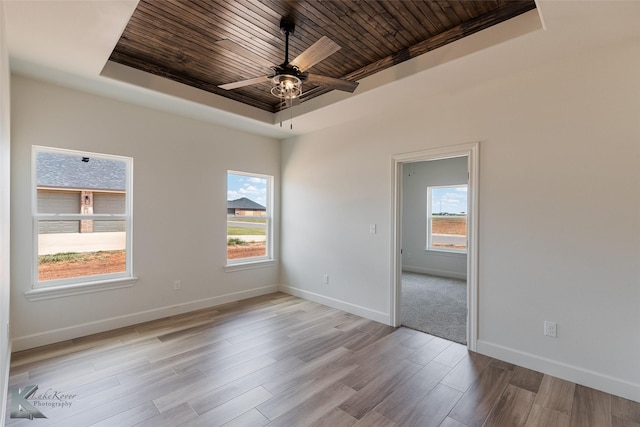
435 305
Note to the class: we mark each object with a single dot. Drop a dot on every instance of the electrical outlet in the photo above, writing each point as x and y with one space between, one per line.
325 279
177 285
550 329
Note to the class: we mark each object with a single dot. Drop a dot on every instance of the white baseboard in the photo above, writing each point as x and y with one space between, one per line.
75 331
368 313
5 388
606 383
434 272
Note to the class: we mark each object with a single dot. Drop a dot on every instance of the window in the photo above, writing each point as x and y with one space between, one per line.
81 220
249 222
447 218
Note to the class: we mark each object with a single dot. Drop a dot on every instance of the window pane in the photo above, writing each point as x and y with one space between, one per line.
109 202
58 201
247 216
449 217
65 255
449 232
72 183
80 186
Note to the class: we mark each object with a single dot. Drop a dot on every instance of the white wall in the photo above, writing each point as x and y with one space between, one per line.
559 211
416 177
5 159
179 208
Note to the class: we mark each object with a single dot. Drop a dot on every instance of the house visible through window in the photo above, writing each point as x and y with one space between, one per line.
81 217
248 217
447 218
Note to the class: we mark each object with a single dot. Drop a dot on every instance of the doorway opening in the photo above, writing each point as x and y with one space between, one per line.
433 291
434 284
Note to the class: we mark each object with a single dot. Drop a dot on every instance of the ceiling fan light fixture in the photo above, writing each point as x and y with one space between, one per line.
286 86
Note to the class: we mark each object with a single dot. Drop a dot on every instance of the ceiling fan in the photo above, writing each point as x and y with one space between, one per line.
287 78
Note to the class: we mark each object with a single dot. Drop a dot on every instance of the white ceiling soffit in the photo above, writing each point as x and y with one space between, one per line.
69 43
73 36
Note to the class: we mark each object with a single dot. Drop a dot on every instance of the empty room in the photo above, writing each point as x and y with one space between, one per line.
212 213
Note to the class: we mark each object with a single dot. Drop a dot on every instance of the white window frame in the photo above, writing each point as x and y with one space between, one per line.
429 246
262 261
83 284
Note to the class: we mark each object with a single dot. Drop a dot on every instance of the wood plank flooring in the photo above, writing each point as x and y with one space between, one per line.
278 360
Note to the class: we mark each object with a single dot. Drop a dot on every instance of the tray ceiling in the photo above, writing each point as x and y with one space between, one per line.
177 39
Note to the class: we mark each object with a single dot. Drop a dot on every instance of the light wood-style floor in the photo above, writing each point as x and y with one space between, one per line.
279 360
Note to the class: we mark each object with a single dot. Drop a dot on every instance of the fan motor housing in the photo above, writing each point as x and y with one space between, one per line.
287 26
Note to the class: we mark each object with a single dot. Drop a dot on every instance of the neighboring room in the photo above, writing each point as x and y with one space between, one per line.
434 242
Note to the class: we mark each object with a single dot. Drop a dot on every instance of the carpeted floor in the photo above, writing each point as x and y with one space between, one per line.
435 305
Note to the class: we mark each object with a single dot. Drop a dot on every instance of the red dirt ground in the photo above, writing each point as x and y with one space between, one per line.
109 262
449 226
114 262
245 251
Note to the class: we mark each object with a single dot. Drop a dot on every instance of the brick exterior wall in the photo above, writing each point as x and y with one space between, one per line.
86 207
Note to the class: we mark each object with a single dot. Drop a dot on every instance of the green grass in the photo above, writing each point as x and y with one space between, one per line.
235 241
61 257
240 231
73 256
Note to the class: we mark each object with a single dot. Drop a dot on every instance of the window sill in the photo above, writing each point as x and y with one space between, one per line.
51 292
250 265
446 252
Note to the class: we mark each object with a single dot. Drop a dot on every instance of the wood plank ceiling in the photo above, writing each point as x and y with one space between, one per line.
177 39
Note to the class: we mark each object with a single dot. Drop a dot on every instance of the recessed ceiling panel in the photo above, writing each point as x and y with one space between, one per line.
189 41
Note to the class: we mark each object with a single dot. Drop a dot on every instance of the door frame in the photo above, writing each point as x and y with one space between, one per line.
471 151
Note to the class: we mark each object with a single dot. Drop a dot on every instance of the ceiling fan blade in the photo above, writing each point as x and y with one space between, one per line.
315 53
242 51
333 83
243 83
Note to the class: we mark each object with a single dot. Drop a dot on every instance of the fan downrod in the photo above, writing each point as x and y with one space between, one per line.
287 26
